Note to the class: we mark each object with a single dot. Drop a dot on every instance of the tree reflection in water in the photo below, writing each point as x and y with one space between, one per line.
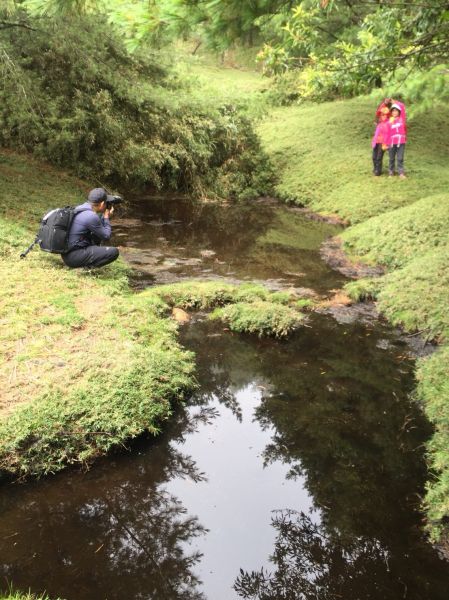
112 533
312 564
341 419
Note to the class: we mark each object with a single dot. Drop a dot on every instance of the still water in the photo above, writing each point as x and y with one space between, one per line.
295 471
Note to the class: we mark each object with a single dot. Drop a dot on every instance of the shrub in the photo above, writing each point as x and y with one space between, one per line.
75 97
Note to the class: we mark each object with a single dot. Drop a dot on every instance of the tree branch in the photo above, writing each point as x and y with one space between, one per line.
8 24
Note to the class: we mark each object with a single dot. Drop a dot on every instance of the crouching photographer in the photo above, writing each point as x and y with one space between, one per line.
91 226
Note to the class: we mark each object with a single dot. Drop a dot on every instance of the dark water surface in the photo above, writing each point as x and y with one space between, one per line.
294 473
174 240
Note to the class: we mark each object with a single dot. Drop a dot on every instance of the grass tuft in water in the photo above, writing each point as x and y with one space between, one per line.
16 595
204 295
259 317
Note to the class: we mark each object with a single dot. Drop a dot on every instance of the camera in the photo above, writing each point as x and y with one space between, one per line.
113 201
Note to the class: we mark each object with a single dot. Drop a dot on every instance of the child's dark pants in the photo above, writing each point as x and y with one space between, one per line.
378 155
92 256
393 152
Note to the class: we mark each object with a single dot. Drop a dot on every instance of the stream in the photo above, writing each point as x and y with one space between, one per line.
296 470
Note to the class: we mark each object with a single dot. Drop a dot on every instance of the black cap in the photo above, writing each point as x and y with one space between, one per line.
98 195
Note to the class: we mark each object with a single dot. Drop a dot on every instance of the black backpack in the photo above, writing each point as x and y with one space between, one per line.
54 230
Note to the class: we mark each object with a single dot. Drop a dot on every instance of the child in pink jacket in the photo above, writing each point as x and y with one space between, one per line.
379 143
397 138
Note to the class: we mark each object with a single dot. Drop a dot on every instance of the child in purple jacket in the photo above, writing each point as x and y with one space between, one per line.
396 141
379 143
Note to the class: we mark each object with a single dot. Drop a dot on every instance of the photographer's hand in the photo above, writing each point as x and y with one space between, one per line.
108 212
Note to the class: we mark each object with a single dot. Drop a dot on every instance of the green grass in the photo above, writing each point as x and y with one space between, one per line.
364 289
433 392
259 317
230 84
396 237
322 155
86 363
416 296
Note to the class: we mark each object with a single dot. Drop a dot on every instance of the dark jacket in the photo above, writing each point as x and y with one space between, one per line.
88 228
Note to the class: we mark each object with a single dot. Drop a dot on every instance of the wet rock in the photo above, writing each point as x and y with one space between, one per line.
384 344
291 274
365 313
180 315
303 292
207 253
128 222
190 262
331 219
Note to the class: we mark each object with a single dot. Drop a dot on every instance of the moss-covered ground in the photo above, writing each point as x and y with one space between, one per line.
322 155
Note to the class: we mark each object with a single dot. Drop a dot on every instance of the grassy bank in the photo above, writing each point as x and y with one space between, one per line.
85 365
322 156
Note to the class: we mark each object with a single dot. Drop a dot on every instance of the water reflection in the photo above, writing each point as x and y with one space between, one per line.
312 563
319 429
112 533
170 240
340 418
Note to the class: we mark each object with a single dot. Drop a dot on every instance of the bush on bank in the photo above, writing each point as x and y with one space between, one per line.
71 94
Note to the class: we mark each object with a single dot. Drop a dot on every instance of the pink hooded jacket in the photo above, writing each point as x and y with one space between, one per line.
397 131
382 134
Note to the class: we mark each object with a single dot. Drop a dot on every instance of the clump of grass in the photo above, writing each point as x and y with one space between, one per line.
366 288
304 303
204 295
259 317
197 295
